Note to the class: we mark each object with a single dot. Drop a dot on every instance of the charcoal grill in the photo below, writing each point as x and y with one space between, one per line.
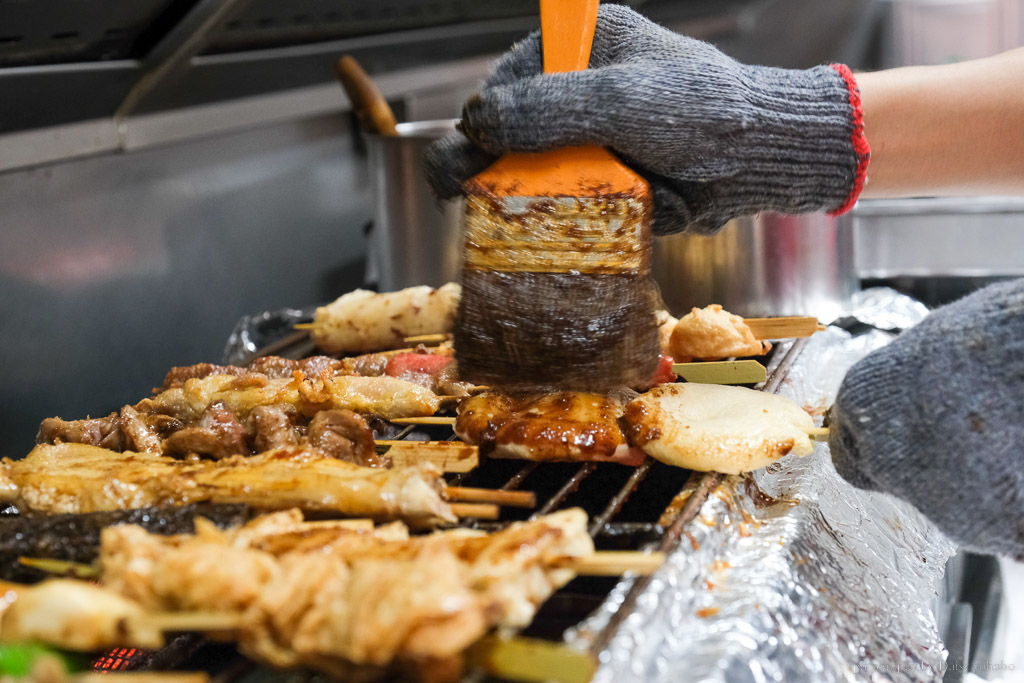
644 508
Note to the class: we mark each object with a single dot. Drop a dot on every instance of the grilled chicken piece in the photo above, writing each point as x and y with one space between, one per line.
76 615
369 598
717 428
77 478
363 321
711 333
386 397
571 426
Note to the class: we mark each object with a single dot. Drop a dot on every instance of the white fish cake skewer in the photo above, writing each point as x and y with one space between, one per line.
717 428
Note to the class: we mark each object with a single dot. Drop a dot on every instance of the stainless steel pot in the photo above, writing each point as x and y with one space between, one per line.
416 240
760 266
764 265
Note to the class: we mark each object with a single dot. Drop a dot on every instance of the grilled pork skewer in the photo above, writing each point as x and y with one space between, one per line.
572 426
223 415
72 478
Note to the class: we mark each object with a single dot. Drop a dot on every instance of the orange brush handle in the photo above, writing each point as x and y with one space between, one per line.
567 35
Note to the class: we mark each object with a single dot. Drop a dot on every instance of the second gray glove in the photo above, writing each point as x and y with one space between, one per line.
937 418
715 138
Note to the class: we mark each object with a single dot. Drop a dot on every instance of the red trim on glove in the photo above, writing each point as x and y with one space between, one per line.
860 143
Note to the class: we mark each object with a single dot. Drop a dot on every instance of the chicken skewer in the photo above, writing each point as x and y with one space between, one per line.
332 599
255 581
80 616
72 478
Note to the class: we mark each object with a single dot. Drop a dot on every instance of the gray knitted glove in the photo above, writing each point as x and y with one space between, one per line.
716 139
937 418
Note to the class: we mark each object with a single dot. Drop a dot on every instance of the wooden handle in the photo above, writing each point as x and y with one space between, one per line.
567 33
369 105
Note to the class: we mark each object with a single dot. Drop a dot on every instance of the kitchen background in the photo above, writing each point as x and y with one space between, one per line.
168 166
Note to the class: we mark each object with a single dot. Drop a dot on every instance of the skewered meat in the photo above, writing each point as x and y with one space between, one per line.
77 478
101 431
344 435
711 333
77 616
436 370
76 538
274 427
273 367
373 598
364 321
218 434
709 427
553 426
386 397
223 415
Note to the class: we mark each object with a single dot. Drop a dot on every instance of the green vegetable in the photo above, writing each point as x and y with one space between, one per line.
18 659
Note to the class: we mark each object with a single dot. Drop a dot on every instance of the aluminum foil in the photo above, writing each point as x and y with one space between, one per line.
253 332
887 309
791 574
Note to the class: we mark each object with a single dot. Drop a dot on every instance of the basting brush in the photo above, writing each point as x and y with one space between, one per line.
555 285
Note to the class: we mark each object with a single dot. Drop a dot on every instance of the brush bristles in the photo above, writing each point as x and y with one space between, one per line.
574 331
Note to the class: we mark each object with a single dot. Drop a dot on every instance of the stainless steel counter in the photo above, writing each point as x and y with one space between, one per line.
957 237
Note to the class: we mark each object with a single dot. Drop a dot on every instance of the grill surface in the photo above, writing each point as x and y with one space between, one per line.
646 507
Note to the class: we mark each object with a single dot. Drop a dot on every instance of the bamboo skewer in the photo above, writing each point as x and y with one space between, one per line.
524 499
194 621
614 563
476 510
423 420
449 456
818 432
61 567
783 328
427 339
304 326
722 372
531 659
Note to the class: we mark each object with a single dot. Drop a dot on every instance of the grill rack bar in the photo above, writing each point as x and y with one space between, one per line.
616 503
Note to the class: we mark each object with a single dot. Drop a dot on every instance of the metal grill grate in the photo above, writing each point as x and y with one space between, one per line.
646 507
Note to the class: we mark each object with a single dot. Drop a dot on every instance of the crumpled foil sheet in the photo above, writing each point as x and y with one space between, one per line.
887 309
253 332
791 574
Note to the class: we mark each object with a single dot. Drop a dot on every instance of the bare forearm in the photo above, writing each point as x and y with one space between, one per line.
955 129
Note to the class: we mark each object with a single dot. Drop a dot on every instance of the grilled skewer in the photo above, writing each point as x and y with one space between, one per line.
71 478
